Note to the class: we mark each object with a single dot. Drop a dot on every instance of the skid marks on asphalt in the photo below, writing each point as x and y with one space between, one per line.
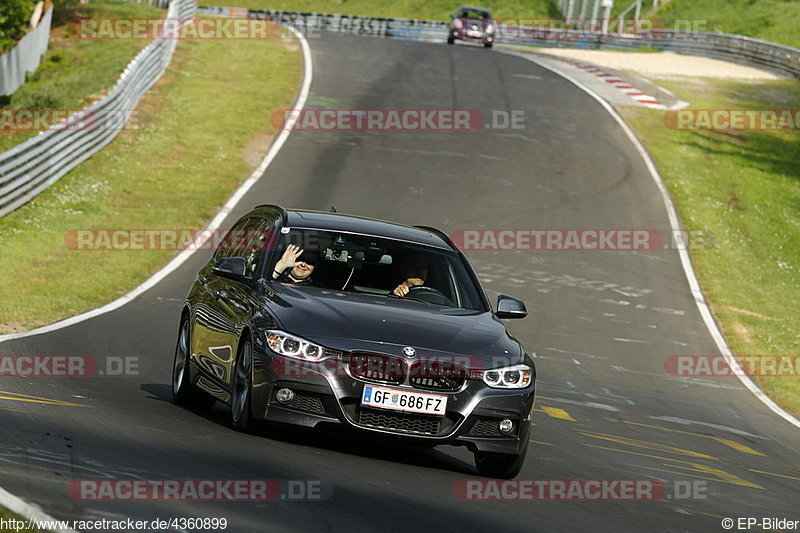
703 454
544 281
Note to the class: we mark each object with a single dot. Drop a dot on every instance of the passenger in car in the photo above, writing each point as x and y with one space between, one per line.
299 263
414 268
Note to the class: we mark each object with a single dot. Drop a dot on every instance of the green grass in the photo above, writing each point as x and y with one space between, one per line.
773 20
74 70
419 9
175 172
743 188
7 515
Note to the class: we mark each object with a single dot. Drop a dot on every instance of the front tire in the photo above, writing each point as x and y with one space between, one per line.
451 40
487 45
500 465
241 416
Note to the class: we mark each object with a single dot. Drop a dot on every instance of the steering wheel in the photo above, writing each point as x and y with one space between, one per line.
428 295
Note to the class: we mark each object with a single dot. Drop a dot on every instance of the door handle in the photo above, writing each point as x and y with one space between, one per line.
226 297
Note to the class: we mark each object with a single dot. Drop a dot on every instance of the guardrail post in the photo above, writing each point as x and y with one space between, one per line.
607 5
582 16
570 9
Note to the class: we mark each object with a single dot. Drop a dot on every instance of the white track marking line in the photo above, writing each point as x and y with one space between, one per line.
31 512
686 262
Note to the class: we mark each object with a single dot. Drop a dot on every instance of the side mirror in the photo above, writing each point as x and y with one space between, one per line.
508 307
230 267
452 16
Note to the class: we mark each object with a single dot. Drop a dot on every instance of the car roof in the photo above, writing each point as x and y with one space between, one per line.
474 8
322 220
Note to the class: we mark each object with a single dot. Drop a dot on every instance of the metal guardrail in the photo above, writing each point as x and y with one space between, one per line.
164 4
784 60
25 56
29 168
353 24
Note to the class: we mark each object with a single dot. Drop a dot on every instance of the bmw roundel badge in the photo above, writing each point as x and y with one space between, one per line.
408 351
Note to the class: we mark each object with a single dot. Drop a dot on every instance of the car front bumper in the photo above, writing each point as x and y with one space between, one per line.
326 396
466 36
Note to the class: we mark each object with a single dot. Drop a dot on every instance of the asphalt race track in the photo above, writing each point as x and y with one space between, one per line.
602 323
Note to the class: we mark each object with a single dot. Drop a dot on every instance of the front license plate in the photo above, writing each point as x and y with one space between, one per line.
474 33
400 400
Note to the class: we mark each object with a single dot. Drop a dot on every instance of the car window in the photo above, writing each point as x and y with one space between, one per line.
257 234
248 239
376 265
473 14
229 246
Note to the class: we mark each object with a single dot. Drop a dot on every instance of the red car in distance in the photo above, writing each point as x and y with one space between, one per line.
472 24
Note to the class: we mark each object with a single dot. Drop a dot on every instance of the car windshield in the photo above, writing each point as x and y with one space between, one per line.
375 265
476 14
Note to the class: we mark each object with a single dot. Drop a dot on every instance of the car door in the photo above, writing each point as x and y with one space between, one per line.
214 335
235 301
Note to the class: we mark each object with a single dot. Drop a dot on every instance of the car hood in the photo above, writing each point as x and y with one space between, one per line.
350 321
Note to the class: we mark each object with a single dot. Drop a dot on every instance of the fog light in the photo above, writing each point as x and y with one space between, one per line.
506 426
285 395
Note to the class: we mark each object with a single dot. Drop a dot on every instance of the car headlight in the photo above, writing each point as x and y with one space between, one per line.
510 377
293 346
489 29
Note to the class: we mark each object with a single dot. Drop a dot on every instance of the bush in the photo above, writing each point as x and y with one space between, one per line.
14 18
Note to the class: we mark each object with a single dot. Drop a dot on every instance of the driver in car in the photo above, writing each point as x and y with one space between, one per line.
414 268
295 266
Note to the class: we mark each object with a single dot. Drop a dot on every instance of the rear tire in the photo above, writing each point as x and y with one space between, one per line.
241 416
500 465
182 391
181 388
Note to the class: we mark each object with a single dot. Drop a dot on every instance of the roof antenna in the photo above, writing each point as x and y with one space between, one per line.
333 209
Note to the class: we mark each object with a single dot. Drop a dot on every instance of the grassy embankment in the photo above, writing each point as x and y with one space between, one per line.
200 134
742 187
772 20
74 72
